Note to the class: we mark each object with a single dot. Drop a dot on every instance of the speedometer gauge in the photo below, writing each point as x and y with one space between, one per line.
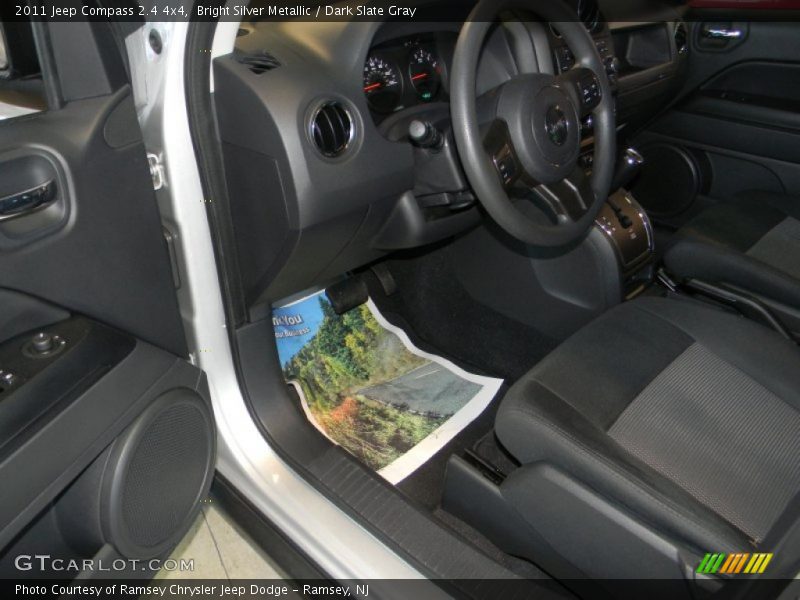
425 74
382 85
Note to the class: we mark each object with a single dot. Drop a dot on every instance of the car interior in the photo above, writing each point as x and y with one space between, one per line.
594 201
597 209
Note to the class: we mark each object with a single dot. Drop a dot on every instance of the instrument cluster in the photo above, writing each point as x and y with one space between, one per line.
404 73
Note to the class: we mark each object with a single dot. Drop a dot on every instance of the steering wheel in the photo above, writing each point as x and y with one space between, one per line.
527 132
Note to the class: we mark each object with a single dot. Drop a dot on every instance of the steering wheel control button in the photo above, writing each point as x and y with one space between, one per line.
506 165
589 92
43 345
565 59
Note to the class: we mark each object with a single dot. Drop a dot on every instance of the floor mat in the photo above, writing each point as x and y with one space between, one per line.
433 305
426 484
366 387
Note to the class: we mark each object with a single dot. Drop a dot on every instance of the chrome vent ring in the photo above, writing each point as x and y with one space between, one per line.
331 128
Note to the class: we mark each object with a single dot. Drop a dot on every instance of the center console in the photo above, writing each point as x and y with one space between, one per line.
558 291
627 230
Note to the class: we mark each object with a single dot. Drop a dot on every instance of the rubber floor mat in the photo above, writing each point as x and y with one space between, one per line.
364 385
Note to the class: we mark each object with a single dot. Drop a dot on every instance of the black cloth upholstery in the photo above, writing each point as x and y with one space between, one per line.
718 244
567 411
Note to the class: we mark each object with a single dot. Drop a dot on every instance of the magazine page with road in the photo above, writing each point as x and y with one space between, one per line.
365 386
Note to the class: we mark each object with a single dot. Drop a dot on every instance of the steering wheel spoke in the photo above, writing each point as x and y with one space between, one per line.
569 199
500 147
583 87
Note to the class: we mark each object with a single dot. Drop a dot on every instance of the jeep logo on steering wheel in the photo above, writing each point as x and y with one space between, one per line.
556 125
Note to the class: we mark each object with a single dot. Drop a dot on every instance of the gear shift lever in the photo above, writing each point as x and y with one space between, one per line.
627 167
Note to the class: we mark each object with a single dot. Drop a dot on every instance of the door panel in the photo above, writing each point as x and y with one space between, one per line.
737 119
98 248
95 387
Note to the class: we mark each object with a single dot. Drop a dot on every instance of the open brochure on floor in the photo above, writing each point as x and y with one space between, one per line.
365 386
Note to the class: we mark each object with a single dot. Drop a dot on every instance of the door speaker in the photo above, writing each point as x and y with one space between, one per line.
144 492
671 178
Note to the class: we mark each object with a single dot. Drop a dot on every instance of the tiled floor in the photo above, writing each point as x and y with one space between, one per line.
220 550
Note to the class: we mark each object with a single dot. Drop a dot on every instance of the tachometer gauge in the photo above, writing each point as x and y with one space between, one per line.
382 85
425 74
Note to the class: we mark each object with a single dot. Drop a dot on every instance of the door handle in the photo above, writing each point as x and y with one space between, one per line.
722 33
28 201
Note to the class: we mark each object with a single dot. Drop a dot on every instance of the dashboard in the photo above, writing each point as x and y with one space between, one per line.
314 124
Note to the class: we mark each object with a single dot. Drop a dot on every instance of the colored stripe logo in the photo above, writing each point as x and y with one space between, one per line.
735 563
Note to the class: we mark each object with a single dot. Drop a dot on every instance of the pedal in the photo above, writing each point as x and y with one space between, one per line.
385 278
347 294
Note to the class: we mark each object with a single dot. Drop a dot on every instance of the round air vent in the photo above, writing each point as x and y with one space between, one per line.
331 128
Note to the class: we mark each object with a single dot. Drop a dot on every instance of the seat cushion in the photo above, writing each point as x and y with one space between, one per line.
752 241
686 415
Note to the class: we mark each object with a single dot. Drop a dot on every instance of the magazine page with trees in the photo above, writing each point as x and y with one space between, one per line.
364 386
